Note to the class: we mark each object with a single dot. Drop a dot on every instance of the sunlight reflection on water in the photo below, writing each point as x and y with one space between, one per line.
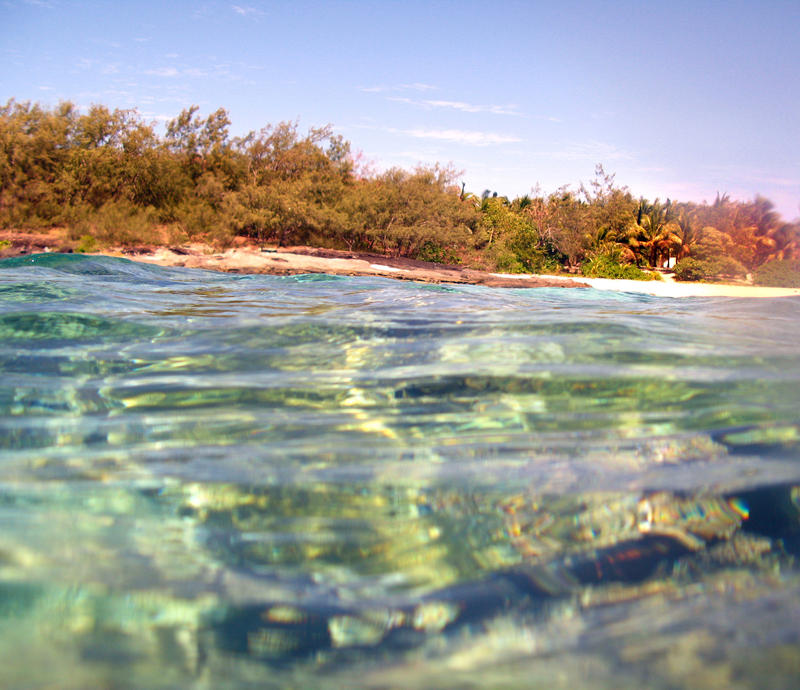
338 481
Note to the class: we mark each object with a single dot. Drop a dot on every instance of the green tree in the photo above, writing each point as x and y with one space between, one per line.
568 226
399 212
656 236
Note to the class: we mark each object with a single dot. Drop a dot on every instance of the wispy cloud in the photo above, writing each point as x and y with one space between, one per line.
459 105
472 108
163 72
459 136
213 70
591 150
197 72
754 176
246 10
157 117
106 43
416 86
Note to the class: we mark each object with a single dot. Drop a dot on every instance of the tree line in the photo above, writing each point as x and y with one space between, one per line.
110 178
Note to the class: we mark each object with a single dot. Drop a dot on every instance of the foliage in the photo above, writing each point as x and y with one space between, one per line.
778 273
115 223
606 266
709 269
86 244
712 243
534 253
655 236
399 212
435 253
507 231
107 174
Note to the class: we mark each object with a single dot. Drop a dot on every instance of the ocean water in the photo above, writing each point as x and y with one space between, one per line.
212 480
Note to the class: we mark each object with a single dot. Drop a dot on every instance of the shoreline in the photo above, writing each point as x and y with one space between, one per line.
299 260
248 258
296 260
672 288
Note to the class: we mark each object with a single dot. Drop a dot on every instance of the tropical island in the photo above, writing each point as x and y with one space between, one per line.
105 181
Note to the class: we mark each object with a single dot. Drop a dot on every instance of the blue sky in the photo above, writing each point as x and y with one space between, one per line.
679 99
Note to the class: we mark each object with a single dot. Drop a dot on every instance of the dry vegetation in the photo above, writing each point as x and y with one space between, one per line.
110 179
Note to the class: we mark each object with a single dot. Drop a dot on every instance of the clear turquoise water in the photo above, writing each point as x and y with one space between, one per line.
213 480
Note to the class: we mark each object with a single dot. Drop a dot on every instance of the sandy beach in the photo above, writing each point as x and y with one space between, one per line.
669 287
297 260
287 261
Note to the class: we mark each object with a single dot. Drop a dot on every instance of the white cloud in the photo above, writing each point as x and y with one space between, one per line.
196 72
244 11
472 108
593 151
217 70
459 136
458 105
163 72
416 86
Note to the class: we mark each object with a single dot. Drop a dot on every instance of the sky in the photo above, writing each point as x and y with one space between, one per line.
677 99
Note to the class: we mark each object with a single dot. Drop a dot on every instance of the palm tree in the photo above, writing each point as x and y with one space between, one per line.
521 202
786 243
656 233
688 229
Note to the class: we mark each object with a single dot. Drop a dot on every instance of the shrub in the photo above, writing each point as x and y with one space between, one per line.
690 269
507 262
604 266
86 244
435 253
778 274
114 223
718 268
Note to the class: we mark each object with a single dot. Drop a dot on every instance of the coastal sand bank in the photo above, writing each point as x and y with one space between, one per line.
671 288
306 260
296 260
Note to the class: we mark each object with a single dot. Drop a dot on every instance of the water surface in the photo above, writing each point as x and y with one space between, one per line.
216 480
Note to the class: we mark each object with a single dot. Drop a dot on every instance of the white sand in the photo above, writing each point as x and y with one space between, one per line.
671 288
246 259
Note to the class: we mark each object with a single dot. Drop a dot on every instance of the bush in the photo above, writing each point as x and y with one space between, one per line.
604 266
435 253
86 245
719 268
728 267
114 223
506 262
689 269
532 253
778 274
